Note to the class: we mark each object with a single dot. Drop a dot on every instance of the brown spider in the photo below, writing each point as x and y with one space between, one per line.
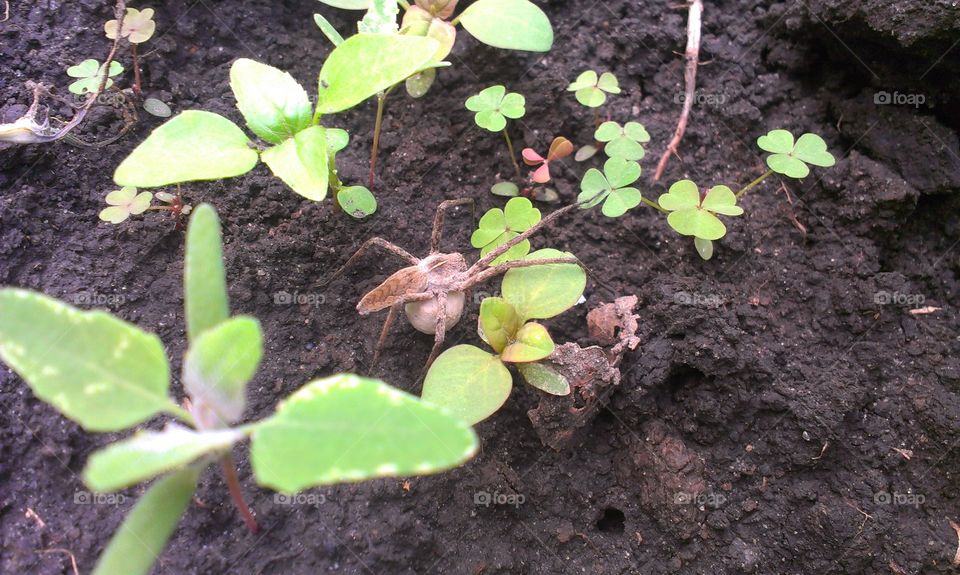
433 290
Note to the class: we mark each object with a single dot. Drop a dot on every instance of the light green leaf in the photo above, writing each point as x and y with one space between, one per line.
811 149
328 30
469 382
387 59
350 428
193 145
722 200
505 189
302 163
498 227
510 24
357 201
219 364
205 298
419 84
544 378
620 201
274 105
520 215
608 83
498 322
704 248
381 17
532 343
94 368
543 291
788 166
591 97
697 222
791 159
586 79
621 172
776 142
150 453
337 139
593 185
682 195
140 539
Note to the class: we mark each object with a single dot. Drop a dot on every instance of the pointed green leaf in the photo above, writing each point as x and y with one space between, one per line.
510 24
219 364
469 382
532 343
351 428
204 280
544 378
387 59
193 145
302 163
274 105
544 291
94 368
328 30
498 322
140 539
150 453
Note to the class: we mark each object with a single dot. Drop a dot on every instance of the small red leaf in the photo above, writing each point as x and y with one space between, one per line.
542 174
530 157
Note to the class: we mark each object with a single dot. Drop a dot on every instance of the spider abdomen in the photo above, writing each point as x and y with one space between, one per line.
423 314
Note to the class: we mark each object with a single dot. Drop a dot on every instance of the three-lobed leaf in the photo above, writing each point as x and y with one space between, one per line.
611 187
468 381
274 105
591 90
791 158
94 368
544 291
494 105
194 145
692 216
510 24
498 227
624 142
351 428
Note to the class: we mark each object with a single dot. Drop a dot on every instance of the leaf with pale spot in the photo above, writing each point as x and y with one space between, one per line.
470 382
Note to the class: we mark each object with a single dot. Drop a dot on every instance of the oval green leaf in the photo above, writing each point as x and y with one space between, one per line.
351 428
274 105
544 291
194 145
469 382
357 201
544 378
94 368
510 24
532 343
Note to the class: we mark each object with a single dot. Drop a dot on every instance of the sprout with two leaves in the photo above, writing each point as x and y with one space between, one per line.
298 149
492 107
107 375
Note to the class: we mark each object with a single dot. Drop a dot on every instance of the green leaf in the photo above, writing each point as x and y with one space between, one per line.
150 453
682 195
788 166
619 201
351 428
607 187
510 24
697 222
621 172
419 84
347 4
219 364
544 378
274 105
302 162
811 149
357 201
499 322
532 343
94 368
544 291
692 217
140 539
469 382
193 145
776 142
586 79
205 298
493 105
585 153
498 227
520 215
591 97
608 83
623 142
791 159
328 30
591 90
722 200
505 189
381 17
704 248
387 59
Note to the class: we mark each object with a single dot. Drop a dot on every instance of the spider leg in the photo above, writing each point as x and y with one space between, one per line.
440 334
481 276
438 219
391 318
502 249
378 242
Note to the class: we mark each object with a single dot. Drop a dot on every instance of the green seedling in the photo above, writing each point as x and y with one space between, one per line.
694 215
508 24
126 202
493 106
792 158
611 187
560 148
89 74
108 375
198 145
591 90
474 383
498 227
624 142
137 27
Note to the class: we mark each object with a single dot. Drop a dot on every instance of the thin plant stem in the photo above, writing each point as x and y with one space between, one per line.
754 183
378 124
233 484
513 156
136 70
654 205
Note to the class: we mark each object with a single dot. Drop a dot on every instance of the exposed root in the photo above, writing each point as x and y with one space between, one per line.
692 57
73 560
6 11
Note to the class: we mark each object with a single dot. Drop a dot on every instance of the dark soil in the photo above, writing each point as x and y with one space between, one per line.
775 419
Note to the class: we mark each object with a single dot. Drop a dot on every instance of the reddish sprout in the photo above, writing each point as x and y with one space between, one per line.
559 149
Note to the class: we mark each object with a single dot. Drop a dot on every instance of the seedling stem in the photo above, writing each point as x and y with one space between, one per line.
654 205
378 124
513 156
136 70
230 474
754 183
